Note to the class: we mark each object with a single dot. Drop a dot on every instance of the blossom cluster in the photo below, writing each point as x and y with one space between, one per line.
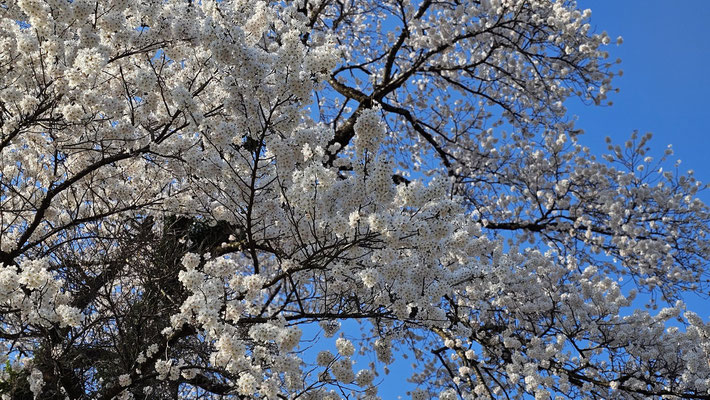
37 294
172 207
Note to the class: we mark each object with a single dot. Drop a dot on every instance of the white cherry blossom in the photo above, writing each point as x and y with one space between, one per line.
202 199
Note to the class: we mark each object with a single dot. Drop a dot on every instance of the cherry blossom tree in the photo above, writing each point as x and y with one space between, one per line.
189 190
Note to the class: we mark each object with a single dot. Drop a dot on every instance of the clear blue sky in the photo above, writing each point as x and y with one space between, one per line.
665 88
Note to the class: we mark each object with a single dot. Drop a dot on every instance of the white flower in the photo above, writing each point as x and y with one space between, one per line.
364 377
89 61
419 394
369 277
125 395
36 381
189 373
69 316
369 131
124 380
152 349
345 347
289 338
329 327
343 370
190 260
246 384
163 368
324 358
448 394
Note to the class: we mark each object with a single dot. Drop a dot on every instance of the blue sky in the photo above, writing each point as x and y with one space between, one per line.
665 88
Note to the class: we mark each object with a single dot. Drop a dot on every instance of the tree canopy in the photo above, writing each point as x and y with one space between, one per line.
189 190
